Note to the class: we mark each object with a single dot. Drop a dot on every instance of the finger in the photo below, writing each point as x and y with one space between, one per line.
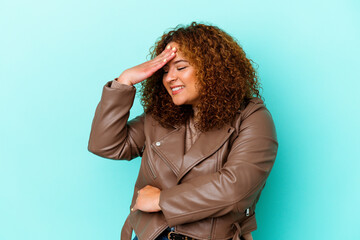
155 61
134 208
164 52
164 60
166 55
168 48
159 63
171 56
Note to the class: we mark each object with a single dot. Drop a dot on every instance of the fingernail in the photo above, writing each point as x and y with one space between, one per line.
165 60
172 54
174 48
168 47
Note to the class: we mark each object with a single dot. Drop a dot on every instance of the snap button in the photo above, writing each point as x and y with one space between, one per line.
157 143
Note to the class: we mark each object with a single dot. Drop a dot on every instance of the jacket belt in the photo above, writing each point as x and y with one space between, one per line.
246 226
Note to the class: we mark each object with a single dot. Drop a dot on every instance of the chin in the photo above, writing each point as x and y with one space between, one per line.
177 103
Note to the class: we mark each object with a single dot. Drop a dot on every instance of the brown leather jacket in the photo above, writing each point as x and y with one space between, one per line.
208 193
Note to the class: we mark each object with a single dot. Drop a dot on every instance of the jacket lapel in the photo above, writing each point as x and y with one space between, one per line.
207 144
171 148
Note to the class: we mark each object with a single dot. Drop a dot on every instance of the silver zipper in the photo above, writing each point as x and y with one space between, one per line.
247 212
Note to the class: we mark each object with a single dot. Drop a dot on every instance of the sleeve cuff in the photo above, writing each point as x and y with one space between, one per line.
116 84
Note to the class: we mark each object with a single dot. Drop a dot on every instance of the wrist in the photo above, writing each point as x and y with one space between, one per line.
123 80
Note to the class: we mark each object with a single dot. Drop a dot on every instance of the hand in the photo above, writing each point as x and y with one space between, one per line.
148 199
143 71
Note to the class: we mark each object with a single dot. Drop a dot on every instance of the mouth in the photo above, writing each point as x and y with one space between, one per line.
177 89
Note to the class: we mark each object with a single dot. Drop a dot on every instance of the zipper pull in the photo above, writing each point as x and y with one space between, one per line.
247 212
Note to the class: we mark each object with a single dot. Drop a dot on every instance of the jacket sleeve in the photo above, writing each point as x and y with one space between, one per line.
112 135
236 185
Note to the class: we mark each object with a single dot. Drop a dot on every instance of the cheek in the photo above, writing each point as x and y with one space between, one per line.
166 87
193 87
164 83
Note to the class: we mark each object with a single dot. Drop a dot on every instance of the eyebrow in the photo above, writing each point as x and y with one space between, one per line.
181 60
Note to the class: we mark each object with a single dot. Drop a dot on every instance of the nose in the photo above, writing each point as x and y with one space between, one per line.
170 76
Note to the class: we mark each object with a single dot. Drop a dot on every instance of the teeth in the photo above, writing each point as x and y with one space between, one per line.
177 88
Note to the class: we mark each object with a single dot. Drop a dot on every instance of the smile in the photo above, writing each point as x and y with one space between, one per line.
177 89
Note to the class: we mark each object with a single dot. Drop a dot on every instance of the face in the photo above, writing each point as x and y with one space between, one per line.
179 79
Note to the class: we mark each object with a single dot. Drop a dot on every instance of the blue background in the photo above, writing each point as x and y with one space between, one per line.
55 57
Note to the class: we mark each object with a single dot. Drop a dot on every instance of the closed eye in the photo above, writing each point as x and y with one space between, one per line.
164 71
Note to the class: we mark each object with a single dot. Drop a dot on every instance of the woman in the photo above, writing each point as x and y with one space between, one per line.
207 141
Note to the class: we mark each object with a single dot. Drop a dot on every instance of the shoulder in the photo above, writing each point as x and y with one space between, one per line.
248 110
251 105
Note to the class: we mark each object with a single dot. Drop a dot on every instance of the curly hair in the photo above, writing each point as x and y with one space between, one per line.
225 78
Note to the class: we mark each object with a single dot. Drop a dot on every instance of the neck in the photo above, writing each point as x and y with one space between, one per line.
196 115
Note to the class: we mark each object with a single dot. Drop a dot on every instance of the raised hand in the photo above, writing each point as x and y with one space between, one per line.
142 71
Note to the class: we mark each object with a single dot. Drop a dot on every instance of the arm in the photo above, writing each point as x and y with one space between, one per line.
236 185
112 136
